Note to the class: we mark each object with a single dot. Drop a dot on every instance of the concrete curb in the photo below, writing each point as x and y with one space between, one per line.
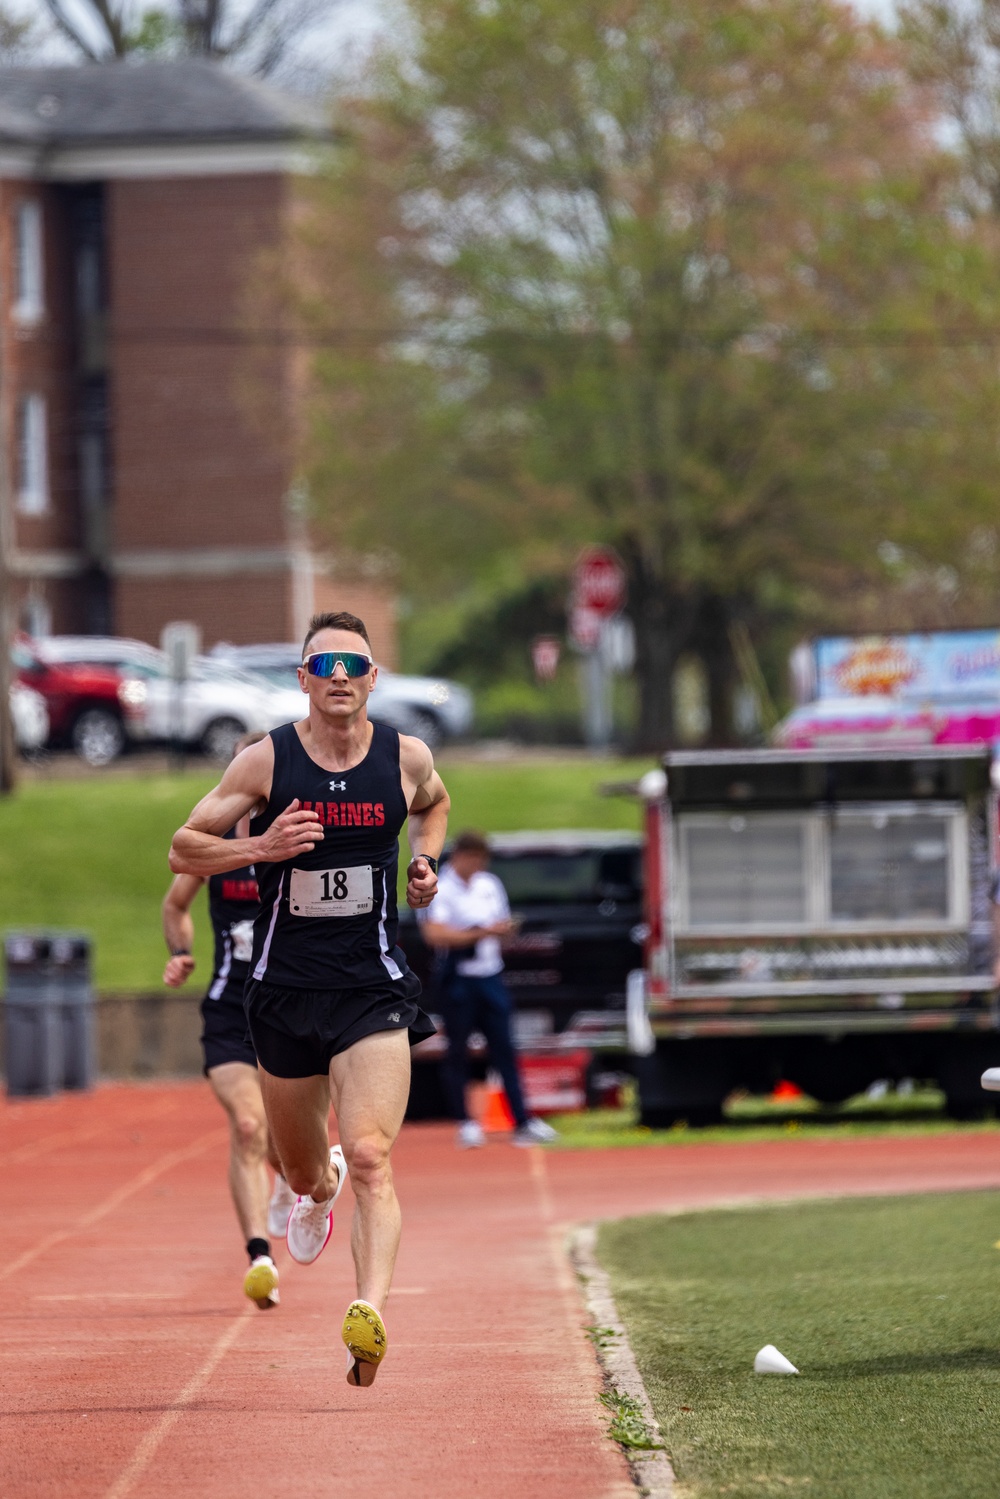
651 1471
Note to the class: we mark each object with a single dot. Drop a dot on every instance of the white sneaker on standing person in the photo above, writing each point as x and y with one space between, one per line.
470 917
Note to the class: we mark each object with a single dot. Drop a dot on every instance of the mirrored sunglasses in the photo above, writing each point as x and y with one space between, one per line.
324 663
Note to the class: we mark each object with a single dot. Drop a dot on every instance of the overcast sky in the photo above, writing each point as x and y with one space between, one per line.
350 26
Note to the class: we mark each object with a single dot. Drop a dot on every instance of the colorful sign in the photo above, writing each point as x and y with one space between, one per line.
937 667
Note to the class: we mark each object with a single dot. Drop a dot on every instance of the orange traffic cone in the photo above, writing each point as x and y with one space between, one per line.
496 1117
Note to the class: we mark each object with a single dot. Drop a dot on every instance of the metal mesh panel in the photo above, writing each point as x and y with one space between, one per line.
889 868
746 872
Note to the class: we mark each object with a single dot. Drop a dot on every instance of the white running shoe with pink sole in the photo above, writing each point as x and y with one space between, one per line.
279 1208
310 1223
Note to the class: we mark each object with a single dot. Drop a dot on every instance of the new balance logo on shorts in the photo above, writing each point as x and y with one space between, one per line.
395 1016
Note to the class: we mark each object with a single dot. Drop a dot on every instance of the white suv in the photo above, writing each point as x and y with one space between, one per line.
210 711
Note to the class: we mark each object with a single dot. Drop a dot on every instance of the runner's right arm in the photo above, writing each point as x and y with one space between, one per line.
178 928
199 848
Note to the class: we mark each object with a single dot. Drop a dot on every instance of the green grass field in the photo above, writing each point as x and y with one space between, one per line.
90 853
888 1307
751 1119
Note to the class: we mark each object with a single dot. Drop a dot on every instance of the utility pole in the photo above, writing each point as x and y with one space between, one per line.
8 752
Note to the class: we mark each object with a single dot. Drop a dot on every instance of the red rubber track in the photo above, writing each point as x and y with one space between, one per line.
132 1365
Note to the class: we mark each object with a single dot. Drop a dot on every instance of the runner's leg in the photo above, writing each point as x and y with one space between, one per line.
236 1086
369 1085
298 1113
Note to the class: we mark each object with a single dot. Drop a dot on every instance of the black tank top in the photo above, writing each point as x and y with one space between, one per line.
327 918
233 900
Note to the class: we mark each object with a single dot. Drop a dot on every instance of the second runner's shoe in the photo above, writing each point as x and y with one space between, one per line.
261 1282
310 1223
280 1207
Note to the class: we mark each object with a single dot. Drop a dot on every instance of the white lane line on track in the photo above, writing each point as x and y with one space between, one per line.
114 1296
72 1137
75 1137
164 1164
147 1448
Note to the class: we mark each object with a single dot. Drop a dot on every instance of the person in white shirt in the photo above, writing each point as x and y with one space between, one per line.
471 914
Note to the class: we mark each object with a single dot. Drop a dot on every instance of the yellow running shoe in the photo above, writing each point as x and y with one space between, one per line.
261 1282
365 1338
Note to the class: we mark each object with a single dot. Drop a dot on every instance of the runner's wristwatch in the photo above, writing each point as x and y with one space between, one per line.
428 860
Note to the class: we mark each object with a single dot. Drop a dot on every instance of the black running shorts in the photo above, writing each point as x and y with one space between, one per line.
224 1036
295 1032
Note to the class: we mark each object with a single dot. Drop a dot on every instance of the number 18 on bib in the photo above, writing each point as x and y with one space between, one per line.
331 892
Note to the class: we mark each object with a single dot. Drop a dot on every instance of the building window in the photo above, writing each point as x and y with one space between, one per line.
29 276
37 616
32 456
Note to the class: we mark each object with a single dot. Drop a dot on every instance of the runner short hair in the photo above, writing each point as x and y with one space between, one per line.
471 842
245 741
339 621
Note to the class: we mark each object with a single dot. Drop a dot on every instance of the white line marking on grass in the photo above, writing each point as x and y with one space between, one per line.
147 1448
164 1164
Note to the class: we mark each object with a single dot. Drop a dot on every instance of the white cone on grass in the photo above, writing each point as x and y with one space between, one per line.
990 1080
770 1361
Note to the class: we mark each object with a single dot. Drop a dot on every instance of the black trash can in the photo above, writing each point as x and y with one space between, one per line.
49 1012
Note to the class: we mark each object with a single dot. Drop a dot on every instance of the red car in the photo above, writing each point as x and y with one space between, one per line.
89 706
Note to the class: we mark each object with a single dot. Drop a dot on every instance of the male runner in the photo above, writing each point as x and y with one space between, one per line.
330 1002
230 1063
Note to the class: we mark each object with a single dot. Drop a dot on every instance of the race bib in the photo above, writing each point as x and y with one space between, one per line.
241 936
331 892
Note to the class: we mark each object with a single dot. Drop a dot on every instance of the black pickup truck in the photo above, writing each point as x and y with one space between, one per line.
578 895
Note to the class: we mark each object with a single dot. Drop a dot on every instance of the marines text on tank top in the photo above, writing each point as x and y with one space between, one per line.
327 918
233 900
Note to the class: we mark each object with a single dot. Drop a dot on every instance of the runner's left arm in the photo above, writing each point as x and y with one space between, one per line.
429 805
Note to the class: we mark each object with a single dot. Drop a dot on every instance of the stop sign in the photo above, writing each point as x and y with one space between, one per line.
599 581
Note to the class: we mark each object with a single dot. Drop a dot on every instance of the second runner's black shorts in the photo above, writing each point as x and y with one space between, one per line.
224 1036
296 1032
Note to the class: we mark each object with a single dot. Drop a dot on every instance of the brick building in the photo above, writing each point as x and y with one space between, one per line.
146 463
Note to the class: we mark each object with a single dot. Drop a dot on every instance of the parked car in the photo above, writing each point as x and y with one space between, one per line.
88 707
431 708
218 705
209 712
114 651
30 717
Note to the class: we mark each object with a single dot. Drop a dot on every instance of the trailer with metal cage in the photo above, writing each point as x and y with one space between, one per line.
824 917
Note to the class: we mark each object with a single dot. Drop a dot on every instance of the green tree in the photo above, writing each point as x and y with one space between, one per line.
679 276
